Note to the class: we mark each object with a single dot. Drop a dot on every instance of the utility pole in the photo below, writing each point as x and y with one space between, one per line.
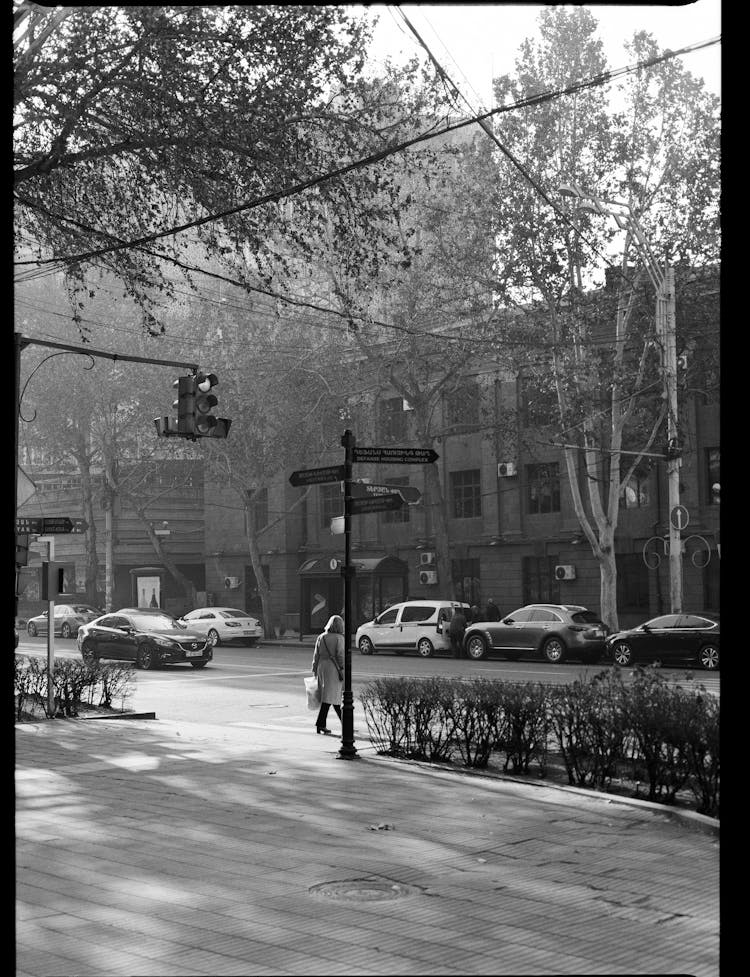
663 282
666 327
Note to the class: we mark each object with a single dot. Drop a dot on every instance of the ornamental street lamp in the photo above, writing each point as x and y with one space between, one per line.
663 281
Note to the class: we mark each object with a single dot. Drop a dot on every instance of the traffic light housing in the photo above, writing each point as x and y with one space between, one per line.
185 405
52 580
207 425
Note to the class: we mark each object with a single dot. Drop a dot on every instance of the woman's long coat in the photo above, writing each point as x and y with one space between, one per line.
331 685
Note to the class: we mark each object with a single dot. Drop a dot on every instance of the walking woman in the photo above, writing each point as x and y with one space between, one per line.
328 666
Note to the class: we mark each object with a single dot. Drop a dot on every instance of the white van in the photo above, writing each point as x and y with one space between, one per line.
414 625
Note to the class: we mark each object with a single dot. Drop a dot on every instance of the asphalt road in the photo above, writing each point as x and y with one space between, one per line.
250 684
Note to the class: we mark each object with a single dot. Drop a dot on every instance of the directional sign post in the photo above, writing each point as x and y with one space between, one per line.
395 456
317 476
409 493
377 503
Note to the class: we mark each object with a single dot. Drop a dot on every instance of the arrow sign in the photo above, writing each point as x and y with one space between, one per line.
26 524
396 456
316 476
56 524
377 503
410 494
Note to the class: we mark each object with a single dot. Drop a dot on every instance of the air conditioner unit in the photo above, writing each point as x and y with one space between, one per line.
563 572
428 576
426 558
231 583
505 469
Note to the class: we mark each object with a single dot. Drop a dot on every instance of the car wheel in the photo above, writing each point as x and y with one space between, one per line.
476 648
65 630
88 654
424 648
31 628
622 654
198 664
554 651
708 657
365 646
146 658
213 638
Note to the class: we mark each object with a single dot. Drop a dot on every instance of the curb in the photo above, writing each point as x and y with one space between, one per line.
700 822
120 715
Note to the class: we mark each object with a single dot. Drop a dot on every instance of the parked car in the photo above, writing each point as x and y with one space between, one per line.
555 632
412 625
669 639
148 638
223 624
68 618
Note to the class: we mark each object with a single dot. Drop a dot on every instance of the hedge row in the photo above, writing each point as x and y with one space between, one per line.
646 731
74 682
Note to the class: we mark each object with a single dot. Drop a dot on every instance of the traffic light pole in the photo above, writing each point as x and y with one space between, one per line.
348 750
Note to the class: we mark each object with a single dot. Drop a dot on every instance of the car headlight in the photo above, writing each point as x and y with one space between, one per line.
164 642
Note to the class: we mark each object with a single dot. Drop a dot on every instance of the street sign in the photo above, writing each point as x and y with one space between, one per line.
396 456
377 503
50 525
316 476
679 517
362 490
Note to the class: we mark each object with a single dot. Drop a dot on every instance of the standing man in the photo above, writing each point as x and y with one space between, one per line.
493 611
456 631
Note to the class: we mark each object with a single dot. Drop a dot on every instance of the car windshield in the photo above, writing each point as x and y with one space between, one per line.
154 622
230 612
585 617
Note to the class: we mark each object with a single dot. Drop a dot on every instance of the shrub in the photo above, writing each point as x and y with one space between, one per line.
523 725
476 715
588 725
387 704
656 715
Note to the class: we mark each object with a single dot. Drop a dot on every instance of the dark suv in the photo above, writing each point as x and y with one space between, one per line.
145 637
554 632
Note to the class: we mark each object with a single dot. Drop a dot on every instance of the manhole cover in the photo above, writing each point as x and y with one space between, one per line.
364 890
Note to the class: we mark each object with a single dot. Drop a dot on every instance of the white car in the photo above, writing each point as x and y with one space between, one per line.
414 625
222 624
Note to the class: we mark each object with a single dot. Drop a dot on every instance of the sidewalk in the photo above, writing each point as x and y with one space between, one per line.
162 848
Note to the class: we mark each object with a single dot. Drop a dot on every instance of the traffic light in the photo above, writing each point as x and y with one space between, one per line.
52 580
206 424
185 405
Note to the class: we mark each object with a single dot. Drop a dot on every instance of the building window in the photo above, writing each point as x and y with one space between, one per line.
331 503
462 406
634 493
539 584
392 419
466 583
713 464
466 496
632 583
397 515
543 488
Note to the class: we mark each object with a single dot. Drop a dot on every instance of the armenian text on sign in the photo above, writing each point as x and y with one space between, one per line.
396 456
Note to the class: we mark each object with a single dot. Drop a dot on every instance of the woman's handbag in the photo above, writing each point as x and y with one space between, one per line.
313 692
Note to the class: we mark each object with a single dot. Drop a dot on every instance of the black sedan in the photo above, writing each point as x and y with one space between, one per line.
555 632
146 638
672 639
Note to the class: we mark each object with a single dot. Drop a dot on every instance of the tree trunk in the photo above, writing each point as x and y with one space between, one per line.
260 578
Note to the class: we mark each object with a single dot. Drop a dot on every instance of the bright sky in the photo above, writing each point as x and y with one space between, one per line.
476 42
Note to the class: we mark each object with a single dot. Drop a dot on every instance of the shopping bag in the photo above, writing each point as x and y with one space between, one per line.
313 692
